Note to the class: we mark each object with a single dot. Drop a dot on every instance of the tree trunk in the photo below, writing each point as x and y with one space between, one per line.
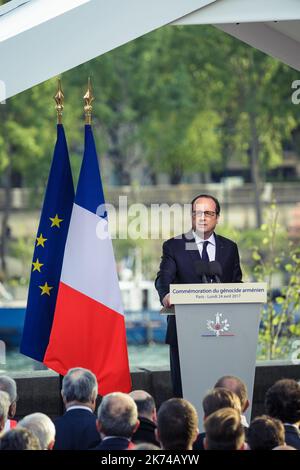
153 177
123 175
6 215
176 176
118 160
254 168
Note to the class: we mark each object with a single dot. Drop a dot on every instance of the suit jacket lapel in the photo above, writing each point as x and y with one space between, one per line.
191 247
219 249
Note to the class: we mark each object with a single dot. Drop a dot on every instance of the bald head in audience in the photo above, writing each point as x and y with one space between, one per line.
117 416
4 407
8 385
237 386
145 404
42 427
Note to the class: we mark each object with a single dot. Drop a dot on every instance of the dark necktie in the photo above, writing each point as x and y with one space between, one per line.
204 252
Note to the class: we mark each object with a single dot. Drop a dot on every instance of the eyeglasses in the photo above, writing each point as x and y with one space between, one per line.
205 213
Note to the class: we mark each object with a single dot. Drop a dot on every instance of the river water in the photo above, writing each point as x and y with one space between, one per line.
141 356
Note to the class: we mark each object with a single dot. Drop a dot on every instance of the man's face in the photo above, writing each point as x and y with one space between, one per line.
204 217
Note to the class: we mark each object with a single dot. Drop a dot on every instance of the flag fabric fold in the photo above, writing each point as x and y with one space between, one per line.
48 253
88 329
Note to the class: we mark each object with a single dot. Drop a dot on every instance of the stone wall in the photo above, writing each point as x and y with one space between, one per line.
40 391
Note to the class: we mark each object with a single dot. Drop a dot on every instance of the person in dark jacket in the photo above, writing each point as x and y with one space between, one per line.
265 433
179 260
282 401
76 429
117 422
147 417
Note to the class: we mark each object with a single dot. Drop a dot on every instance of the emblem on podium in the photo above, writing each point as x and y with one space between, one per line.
218 327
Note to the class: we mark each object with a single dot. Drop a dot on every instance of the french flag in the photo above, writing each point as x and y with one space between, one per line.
88 328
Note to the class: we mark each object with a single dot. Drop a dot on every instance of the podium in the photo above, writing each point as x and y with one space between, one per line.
217 330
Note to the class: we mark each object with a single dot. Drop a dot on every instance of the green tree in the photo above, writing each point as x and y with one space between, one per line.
277 254
258 115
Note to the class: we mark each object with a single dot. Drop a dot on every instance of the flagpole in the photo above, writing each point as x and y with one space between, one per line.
59 100
88 99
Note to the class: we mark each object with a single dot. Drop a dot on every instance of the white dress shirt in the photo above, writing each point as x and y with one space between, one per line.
211 247
79 407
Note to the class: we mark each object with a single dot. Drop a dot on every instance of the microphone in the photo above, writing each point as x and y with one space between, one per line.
215 270
202 269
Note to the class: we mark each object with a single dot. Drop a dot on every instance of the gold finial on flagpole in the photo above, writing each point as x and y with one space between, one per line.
59 100
88 99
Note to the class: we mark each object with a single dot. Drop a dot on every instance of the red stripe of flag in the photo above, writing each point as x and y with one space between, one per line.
82 325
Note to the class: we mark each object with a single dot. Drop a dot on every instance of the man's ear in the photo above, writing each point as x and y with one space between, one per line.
93 402
246 406
63 399
136 426
98 426
205 444
156 433
196 435
12 410
2 424
51 445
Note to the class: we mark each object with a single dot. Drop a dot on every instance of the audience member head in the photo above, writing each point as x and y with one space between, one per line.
42 427
146 446
79 387
265 433
220 398
177 424
8 385
145 404
117 416
237 386
282 401
19 439
284 447
224 430
4 407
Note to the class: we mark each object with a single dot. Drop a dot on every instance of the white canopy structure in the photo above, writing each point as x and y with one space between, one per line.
40 39
273 26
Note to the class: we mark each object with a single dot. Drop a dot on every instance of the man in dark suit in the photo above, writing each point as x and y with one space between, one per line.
117 422
76 429
179 260
147 417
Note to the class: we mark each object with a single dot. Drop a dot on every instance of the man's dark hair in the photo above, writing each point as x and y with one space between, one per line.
208 196
224 430
265 433
177 424
219 398
236 385
282 401
19 439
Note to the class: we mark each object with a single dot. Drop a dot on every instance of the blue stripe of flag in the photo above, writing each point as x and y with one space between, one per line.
89 193
59 198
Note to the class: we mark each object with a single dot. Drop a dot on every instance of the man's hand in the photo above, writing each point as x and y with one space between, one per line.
166 301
